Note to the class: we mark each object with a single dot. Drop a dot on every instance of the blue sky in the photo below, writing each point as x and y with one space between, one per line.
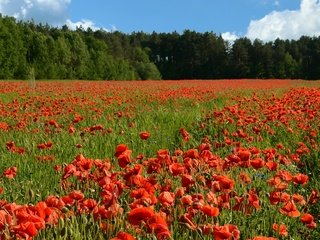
264 19
177 15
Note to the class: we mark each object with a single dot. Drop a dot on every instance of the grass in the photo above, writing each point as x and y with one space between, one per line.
211 112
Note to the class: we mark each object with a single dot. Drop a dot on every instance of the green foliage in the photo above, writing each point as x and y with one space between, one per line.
64 54
148 71
60 53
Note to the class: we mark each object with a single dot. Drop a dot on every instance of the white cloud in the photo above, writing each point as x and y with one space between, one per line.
85 24
288 24
44 11
230 37
53 12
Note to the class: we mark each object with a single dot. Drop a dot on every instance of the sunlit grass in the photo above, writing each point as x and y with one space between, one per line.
104 115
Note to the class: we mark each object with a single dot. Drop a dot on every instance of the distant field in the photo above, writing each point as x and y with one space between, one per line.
223 159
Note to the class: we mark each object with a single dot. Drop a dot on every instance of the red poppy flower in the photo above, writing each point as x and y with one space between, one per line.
158 225
98 127
41 146
308 220
124 158
139 193
53 122
123 236
186 200
101 212
67 200
138 215
179 192
163 156
10 172
277 183
26 230
71 129
204 146
314 197
290 209
187 180
176 169
244 155
76 195
185 135
257 163
13 148
225 182
284 175
299 199
166 198
178 152
144 135
5 219
4 126
82 163
281 229
191 153
300 179
272 166
69 170
210 211
53 215
120 149
244 178
254 200
89 204
233 158
53 201
227 231
49 144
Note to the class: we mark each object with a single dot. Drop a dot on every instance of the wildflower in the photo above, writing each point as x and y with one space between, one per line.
290 209
139 215
166 198
281 229
300 179
144 135
227 231
210 211
10 173
76 195
308 220
185 135
123 236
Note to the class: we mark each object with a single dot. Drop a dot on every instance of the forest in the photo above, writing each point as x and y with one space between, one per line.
37 51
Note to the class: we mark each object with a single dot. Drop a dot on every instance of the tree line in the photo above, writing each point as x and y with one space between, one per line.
30 50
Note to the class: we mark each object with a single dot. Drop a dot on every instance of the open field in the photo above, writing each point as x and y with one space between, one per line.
229 159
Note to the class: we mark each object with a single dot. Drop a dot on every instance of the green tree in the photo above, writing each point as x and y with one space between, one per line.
63 57
290 65
98 52
12 53
279 52
214 56
239 63
80 57
144 68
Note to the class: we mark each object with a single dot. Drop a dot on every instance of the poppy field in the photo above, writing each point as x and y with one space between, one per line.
227 159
